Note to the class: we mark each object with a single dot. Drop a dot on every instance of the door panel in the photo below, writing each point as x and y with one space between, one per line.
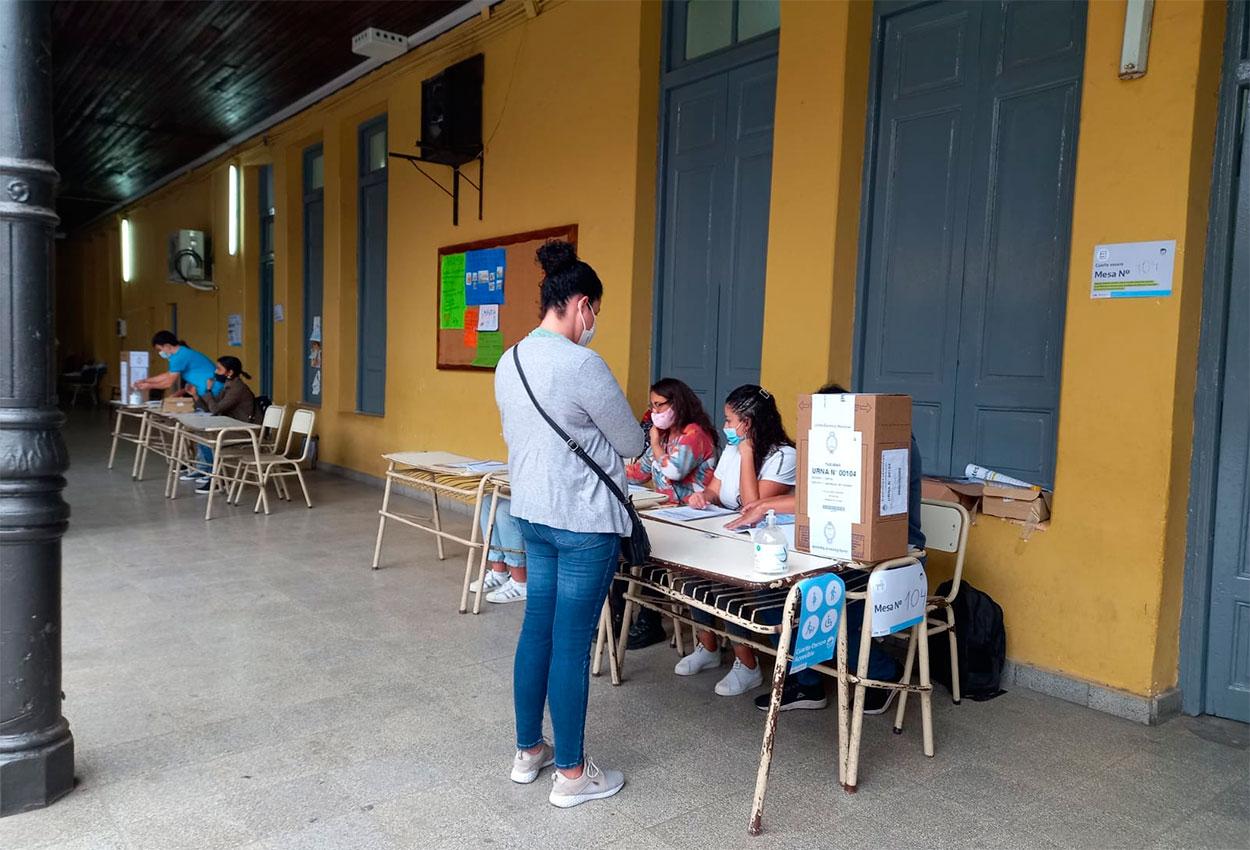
373 298
914 266
1016 270
971 195
1228 642
714 232
314 267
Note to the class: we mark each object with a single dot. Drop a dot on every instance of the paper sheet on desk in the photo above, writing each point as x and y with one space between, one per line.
687 514
485 466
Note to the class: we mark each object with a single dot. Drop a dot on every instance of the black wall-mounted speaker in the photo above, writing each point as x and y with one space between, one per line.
451 113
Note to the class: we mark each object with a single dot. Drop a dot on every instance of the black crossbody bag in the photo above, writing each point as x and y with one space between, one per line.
636 548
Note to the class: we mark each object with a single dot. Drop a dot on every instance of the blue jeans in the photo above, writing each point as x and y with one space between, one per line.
506 534
206 459
569 574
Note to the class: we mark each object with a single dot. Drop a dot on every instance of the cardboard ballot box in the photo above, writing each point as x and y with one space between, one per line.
134 367
854 455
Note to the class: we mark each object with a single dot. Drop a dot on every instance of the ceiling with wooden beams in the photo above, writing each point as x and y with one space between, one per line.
142 88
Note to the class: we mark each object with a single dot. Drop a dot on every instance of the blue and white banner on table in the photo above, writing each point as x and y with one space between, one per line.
898 598
824 598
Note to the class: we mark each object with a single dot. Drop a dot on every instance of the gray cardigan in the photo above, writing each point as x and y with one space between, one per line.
551 485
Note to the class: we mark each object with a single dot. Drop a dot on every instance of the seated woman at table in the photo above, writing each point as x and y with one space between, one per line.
505 576
680 456
806 689
678 462
224 394
758 463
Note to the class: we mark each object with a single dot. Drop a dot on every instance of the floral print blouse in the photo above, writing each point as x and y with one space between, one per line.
687 468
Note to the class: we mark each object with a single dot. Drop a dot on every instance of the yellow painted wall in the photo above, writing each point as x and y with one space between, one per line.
569 117
570 106
1097 595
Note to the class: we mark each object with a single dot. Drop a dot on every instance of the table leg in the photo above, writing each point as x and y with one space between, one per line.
260 476
843 689
171 474
622 641
213 472
857 710
481 572
117 427
386 506
793 600
605 628
906 680
142 446
614 669
926 695
438 526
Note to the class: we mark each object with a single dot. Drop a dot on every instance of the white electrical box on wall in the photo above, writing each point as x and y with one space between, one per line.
379 44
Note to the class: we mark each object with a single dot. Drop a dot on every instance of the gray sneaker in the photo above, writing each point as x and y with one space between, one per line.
527 766
593 784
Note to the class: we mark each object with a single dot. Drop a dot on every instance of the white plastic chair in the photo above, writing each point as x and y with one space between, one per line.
279 466
945 527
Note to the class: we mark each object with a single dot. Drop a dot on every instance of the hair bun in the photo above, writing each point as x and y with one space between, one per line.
556 256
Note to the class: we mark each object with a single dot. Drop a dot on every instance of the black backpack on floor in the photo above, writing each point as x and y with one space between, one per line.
982 642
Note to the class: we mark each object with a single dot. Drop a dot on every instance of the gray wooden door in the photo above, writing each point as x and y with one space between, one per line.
1228 640
265 198
968 209
314 268
371 262
714 229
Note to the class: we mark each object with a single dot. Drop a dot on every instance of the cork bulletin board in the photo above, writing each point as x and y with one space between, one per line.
489 296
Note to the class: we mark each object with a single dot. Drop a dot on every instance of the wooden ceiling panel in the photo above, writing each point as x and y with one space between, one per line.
142 87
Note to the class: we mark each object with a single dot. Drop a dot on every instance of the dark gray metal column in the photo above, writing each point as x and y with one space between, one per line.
36 747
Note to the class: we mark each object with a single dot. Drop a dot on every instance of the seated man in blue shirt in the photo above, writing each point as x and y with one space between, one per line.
193 368
806 689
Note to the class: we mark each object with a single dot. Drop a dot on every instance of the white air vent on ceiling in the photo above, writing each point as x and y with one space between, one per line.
379 44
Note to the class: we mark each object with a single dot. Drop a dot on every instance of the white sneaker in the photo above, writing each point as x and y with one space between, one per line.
739 680
493 580
593 784
510 592
698 661
526 766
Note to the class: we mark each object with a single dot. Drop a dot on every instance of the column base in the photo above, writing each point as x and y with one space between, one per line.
33 779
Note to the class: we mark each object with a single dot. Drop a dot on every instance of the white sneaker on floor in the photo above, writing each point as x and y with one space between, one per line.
698 661
739 680
493 580
527 766
510 592
593 784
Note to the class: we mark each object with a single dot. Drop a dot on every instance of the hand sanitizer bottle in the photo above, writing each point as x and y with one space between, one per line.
770 547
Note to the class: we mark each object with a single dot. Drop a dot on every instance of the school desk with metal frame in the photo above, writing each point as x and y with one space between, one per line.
156 436
444 473
206 429
715 573
122 413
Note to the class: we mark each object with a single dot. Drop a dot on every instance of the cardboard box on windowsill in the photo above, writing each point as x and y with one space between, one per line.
1027 504
961 491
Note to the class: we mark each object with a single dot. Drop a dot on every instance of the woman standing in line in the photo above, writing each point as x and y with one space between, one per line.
570 521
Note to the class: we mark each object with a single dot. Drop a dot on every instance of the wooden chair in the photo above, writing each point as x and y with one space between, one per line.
277 466
945 527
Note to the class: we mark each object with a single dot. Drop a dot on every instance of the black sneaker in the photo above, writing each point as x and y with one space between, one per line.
646 631
206 487
795 695
878 700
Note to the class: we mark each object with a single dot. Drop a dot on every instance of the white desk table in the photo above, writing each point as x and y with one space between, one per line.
715 572
123 412
444 473
206 429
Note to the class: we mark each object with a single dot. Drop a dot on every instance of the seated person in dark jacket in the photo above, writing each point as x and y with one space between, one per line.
806 689
234 399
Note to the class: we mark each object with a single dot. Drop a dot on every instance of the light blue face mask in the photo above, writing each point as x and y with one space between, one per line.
164 354
731 436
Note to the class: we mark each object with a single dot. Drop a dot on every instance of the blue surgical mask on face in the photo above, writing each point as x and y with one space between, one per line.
731 436
164 354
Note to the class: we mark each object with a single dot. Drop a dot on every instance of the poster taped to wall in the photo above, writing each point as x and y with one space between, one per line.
234 329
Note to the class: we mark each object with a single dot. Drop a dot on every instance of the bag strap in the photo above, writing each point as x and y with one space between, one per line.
571 443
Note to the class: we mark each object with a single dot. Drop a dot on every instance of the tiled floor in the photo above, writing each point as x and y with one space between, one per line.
249 682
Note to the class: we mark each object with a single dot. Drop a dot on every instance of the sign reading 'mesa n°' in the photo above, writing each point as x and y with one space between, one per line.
1133 270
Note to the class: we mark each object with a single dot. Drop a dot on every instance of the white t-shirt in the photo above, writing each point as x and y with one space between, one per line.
779 466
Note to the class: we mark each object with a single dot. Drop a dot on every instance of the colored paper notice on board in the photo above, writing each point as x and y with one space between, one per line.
483 276
470 327
488 317
489 349
451 303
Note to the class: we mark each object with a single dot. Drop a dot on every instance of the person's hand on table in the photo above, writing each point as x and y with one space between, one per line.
697 501
192 390
751 514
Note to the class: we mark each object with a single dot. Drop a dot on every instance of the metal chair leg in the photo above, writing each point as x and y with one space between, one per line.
386 506
954 645
774 711
906 680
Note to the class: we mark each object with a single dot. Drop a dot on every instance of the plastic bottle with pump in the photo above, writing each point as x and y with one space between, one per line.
770 547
